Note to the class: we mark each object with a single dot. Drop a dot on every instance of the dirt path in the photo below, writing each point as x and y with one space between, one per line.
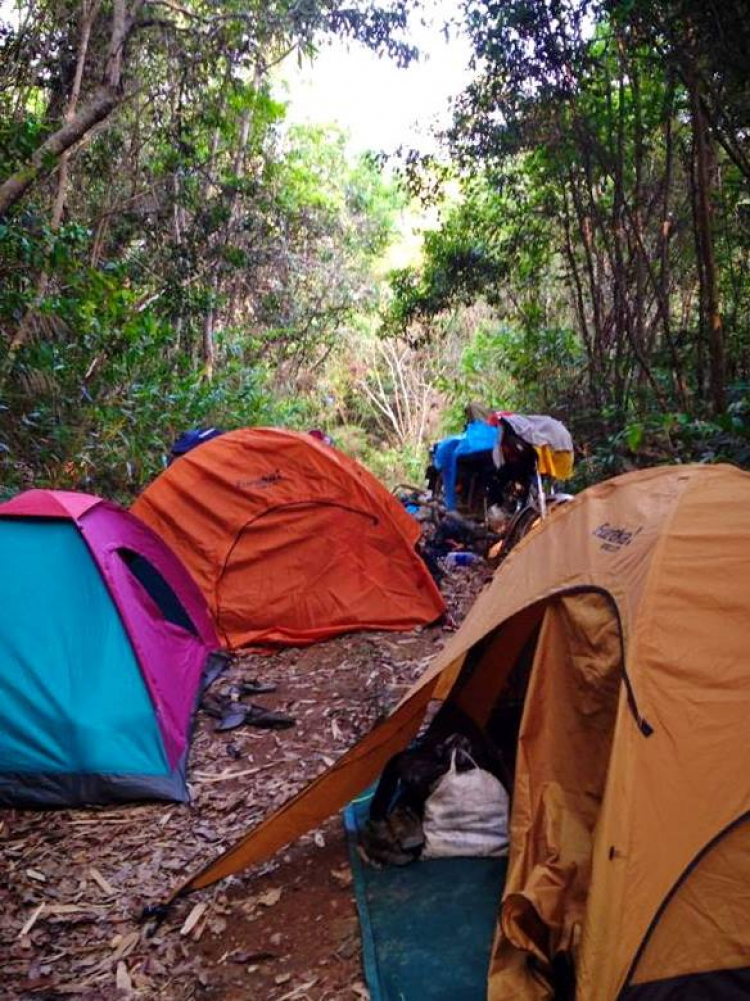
73 882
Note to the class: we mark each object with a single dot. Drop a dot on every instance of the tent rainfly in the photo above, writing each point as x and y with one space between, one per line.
619 633
290 541
103 641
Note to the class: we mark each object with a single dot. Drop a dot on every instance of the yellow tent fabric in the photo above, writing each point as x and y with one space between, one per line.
625 618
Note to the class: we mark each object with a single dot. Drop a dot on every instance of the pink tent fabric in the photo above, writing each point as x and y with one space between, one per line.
50 504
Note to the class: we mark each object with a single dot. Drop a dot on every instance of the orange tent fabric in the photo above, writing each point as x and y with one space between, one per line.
625 620
290 541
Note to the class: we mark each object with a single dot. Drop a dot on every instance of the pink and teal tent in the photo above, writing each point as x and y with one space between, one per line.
103 642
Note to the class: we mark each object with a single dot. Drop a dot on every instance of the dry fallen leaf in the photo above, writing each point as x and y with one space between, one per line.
270 897
342 876
217 926
31 922
244 956
298 991
193 918
126 945
336 730
122 978
102 882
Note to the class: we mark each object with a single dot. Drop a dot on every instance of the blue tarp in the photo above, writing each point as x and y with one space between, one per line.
428 927
478 437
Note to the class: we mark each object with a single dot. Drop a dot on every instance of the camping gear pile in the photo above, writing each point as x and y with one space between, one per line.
613 673
444 796
471 468
466 813
486 486
447 539
466 467
471 451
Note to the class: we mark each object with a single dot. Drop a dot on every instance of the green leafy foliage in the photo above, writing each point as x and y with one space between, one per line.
602 222
194 259
206 258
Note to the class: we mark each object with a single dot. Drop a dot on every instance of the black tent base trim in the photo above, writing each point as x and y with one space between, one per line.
714 985
31 790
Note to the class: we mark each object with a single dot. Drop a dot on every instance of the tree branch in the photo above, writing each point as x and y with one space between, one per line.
100 107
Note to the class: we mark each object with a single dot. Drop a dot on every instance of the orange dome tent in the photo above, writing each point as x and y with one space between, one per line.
621 627
290 540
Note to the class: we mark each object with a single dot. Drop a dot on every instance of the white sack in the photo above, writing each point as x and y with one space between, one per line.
466 814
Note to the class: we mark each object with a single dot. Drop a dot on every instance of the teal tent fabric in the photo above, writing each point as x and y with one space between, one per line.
74 700
427 928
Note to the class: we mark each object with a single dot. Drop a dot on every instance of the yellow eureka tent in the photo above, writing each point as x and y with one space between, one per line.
621 628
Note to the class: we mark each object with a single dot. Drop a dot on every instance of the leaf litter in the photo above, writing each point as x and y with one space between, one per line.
75 881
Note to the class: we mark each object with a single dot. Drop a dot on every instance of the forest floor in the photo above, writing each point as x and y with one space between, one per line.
75 881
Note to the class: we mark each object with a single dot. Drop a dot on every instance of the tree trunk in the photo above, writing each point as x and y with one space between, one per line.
711 320
16 186
89 12
663 289
99 108
641 259
238 168
88 15
621 315
208 345
594 387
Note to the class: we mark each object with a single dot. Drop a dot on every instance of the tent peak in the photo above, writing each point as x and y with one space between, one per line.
49 504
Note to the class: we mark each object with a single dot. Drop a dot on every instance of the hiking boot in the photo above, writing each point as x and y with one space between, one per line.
378 831
406 828
394 857
380 845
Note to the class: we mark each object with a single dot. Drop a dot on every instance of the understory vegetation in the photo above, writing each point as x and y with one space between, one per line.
173 252
604 166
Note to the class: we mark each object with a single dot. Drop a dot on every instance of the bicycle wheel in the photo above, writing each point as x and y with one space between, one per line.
520 527
527 519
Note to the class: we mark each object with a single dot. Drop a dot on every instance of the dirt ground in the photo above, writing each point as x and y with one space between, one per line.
74 882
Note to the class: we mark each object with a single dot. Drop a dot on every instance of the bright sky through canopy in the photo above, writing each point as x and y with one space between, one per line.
381 106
